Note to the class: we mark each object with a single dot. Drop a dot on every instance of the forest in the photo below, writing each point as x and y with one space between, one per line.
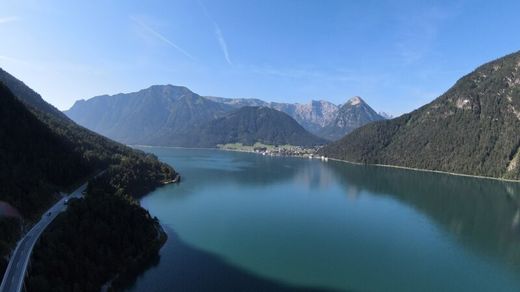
45 154
474 128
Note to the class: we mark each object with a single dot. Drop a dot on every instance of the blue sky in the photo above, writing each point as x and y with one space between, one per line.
397 55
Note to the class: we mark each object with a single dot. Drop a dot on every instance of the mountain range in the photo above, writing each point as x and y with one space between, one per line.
320 117
169 115
251 124
149 116
473 128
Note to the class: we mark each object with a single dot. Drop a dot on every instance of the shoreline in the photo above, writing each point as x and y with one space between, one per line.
427 170
356 163
175 180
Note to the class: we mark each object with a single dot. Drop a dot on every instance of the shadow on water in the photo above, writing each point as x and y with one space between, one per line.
481 213
191 269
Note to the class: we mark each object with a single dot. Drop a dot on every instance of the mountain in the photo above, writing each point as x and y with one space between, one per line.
28 96
350 116
386 115
248 125
312 116
473 128
44 153
97 151
158 115
238 102
35 163
35 160
167 115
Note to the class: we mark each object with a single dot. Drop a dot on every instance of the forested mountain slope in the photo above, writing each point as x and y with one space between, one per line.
474 128
43 152
248 125
35 160
158 115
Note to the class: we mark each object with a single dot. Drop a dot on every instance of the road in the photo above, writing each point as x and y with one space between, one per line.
15 273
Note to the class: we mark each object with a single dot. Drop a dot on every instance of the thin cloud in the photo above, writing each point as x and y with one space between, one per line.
7 19
419 32
162 38
218 34
222 43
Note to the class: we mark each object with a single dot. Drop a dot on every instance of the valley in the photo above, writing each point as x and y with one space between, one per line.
263 146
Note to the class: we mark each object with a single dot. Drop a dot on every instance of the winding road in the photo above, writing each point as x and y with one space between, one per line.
15 273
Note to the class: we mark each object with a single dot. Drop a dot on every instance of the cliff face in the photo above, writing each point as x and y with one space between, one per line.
352 115
320 117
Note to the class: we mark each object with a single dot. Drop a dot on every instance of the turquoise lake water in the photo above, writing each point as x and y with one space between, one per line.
245 222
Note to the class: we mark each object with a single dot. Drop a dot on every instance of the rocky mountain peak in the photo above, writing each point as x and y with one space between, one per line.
356 100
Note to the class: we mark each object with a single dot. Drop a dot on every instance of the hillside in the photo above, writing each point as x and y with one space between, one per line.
474 128
28 96
44 153
35 161
350 116
158 115
313 116
97 151
248 125
35 164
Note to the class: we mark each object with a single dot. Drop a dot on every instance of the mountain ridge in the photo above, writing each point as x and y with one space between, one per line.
251 124
165 115
351 115
315 116
45 153
147 116
473 128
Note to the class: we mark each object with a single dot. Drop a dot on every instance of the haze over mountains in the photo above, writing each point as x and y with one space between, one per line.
474 128
168 115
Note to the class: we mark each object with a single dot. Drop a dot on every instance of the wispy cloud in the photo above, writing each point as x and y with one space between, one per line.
419 32
162 38
7 19
218 33
222 43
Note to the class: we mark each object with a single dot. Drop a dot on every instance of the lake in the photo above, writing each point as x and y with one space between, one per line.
246 222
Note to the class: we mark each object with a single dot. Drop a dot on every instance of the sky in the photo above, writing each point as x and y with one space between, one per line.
396 55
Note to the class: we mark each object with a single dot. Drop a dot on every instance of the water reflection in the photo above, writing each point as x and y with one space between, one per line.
309 223
482 213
